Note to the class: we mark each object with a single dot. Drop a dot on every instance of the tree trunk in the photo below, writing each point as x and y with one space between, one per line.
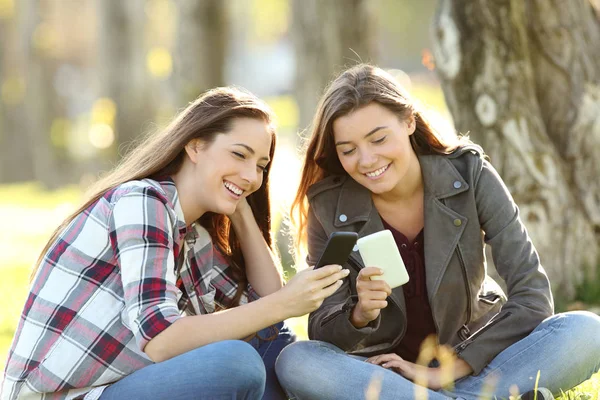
27 152
328 35
122 67
523 78
202 37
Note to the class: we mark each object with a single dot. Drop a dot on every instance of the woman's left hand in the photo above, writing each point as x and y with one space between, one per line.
425 376
242 209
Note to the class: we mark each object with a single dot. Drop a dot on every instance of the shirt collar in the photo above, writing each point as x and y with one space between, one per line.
168 185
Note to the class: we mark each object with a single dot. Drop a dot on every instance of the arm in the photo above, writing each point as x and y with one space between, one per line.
304 293
517 261
263 272
142 237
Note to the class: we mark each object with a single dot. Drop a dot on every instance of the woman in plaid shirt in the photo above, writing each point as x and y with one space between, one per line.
149 289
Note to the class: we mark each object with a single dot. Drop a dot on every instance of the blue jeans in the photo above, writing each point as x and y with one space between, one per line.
564 347
229 369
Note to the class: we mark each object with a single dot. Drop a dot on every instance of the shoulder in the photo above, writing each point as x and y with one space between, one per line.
330 184
143 190
469 160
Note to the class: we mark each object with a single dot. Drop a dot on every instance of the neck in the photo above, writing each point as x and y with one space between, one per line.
410 185
187 198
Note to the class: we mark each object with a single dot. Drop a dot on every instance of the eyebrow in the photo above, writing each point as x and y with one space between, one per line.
251 150
366 136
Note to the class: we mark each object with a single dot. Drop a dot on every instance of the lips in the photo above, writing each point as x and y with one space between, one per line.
233 189
377 173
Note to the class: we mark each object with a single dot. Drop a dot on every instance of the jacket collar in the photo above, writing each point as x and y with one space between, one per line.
440 180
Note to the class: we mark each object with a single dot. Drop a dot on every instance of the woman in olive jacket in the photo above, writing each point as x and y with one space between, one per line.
374 162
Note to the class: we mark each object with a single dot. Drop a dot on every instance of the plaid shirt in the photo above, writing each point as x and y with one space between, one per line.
106 287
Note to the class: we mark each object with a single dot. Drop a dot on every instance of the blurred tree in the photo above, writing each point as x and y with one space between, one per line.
122 67
327 35
202 36
524 79
27 153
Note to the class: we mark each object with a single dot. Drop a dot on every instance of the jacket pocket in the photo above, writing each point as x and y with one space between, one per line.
490 298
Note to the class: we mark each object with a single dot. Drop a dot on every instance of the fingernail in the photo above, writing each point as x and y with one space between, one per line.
339 267
380 271
384 365
346 271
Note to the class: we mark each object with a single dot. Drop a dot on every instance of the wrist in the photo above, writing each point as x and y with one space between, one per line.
356 319
278 306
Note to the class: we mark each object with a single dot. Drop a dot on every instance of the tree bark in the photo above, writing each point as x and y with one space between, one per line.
523 78
202 36
327 35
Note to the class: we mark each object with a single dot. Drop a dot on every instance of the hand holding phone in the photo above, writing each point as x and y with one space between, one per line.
338 249
380 250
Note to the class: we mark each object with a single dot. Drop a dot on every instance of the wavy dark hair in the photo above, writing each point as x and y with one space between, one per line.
354 88
162 153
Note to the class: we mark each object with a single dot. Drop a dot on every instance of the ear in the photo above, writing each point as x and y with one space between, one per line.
193 149
412 124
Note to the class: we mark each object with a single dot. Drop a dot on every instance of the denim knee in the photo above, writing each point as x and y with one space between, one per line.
584 334
241 364
294 363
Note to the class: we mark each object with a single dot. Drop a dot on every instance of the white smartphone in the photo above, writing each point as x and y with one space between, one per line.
380 250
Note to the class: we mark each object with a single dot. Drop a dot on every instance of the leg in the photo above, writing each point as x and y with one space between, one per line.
269 350
230 369
565 348
319 370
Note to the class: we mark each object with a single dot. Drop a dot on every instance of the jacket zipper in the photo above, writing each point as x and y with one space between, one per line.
462 345
463 269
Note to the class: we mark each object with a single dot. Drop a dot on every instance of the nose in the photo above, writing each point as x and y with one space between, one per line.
250 175
366 158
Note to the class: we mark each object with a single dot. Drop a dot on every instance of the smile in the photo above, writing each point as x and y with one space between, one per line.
377 172
233 188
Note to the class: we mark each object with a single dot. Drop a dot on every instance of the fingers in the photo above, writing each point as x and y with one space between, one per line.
328 291
383 358
367 272
325 271
331 279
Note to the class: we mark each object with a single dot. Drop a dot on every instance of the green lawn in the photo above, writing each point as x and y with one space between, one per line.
29 214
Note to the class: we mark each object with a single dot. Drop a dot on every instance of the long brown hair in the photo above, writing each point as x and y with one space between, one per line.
352 89
161 154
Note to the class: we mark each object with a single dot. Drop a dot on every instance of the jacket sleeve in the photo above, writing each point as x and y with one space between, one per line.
331 322
517 261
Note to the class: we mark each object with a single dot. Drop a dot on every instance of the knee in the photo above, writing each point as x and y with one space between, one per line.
296 362
242 365
584 322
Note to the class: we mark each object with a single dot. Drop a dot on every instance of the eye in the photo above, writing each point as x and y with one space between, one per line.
239 155
380 140
262 168
348 152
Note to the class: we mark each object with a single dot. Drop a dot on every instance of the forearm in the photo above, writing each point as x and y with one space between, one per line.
262 269
188 333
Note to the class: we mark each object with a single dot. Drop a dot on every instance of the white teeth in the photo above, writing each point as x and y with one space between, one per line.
233 188
377 172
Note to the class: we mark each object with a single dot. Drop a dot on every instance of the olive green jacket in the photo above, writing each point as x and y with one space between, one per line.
466 206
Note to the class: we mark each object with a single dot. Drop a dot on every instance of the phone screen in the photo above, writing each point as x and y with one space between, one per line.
338 248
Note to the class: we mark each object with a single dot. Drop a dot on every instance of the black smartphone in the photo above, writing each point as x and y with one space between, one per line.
338 248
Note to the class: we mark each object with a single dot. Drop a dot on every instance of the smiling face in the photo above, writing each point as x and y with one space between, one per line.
229 168
373 146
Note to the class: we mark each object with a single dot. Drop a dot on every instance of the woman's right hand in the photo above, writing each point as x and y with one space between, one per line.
306 291
372 295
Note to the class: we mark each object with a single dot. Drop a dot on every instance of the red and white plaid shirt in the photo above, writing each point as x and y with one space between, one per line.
106 287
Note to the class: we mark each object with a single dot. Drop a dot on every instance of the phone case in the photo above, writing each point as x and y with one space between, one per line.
380 250
338 248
